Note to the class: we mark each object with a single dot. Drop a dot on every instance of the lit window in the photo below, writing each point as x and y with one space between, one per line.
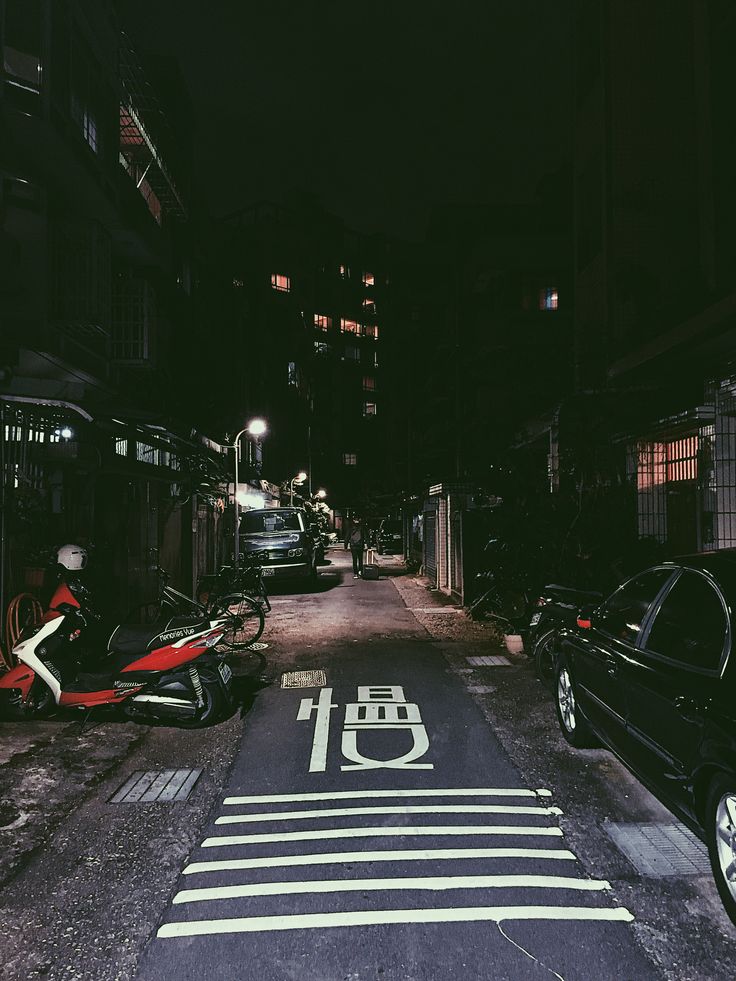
371 330
345 272
349 326
322 322
352 353
369 279
548 299
369 383
321 347
369 306
350 459
145 453
682 458
121 447
280 283
369 408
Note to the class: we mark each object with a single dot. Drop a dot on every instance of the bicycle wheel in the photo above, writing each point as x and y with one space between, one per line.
250 612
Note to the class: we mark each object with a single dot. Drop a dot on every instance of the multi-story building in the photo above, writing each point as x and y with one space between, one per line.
655 280
97 292
312 307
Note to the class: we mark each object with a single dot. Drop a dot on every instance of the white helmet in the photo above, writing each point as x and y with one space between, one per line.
72 557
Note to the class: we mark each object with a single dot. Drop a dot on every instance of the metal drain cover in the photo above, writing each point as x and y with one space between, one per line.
145 786
489 661
257 645
658 850
303 679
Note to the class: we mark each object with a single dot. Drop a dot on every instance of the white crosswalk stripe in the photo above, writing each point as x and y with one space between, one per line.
515 864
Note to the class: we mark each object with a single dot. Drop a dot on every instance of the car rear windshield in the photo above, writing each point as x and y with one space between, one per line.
259 522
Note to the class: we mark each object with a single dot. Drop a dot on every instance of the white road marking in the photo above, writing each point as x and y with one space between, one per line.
370 794
322 921
421 809
401 855
398 831
440 882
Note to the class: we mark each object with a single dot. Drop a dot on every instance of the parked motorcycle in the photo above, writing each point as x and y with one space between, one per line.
555 608
165 671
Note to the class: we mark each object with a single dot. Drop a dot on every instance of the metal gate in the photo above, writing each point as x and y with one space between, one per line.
430 546
456 554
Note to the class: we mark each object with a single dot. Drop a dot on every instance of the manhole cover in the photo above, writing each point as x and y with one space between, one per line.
658 850
303 679
257 646
146 786
489 661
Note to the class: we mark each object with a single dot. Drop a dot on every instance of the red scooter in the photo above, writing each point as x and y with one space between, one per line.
165 671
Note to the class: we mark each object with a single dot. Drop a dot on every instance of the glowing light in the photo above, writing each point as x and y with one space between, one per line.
257 427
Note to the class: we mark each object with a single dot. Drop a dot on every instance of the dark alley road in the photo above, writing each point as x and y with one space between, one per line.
374 828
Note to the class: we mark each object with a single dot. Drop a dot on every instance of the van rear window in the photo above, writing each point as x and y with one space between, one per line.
269 522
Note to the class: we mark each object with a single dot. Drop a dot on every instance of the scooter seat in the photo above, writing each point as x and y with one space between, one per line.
134 638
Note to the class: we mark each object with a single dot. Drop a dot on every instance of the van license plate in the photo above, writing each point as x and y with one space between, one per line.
225 672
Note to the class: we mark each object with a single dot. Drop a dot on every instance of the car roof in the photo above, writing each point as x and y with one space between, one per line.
720 565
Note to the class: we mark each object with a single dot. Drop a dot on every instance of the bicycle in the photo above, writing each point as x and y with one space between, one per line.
246 616
224 592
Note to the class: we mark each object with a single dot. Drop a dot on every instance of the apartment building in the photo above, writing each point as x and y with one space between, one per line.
97 296
312 311
654 280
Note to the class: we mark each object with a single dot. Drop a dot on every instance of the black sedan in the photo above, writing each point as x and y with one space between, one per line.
651 674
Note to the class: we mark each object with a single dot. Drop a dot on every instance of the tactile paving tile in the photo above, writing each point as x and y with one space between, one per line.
659 850
488 661
303 679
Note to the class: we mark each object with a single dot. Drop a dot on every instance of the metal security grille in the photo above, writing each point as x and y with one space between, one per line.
489 661
430 546
146 787
303 679
658 850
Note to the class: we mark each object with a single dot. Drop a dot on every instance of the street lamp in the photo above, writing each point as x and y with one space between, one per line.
299 479
255 428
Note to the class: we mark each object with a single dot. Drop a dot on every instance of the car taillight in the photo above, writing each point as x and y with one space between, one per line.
584 623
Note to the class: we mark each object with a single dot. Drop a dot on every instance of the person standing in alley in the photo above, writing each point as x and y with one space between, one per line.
355 538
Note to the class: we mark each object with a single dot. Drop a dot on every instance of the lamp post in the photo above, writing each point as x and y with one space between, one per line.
256 428
299 479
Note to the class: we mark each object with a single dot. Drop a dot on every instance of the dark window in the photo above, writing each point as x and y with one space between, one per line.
691 624
622 615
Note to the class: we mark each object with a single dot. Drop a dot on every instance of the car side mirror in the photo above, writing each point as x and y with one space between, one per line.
585 617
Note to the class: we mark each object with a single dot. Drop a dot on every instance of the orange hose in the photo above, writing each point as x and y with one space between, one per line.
13 625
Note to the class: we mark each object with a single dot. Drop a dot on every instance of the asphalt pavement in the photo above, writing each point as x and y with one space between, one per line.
373 827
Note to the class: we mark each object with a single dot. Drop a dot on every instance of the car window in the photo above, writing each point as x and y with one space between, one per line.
258 522
623 613
690 626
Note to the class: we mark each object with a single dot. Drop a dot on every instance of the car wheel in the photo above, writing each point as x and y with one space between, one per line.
574 727
543 654
720 831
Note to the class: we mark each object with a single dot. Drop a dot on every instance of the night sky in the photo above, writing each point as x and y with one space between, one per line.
384 109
